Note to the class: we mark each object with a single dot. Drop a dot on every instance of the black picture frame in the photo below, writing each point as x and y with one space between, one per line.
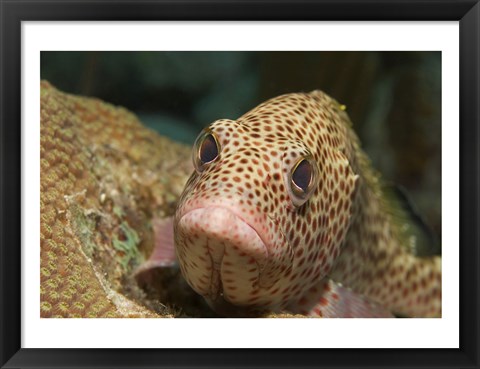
467 12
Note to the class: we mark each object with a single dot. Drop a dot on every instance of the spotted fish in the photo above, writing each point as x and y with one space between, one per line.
285 213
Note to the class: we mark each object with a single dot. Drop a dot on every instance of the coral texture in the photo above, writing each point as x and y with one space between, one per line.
104 179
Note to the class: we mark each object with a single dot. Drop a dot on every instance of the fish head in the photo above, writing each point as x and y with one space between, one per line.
254 226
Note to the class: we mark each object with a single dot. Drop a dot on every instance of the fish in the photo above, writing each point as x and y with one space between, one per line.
284 212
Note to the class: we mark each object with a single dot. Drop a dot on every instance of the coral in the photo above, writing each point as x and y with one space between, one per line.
104 178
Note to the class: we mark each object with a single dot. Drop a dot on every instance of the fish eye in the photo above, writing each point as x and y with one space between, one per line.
302 180
302 176
206 150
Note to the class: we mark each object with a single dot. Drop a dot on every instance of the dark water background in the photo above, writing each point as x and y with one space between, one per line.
393 98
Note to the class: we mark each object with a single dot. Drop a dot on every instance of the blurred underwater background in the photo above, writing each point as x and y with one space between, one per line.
392 98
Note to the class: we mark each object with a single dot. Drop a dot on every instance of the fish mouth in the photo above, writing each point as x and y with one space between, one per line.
220 254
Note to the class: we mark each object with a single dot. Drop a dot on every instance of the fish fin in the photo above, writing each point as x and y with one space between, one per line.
418 237
163 254
330 299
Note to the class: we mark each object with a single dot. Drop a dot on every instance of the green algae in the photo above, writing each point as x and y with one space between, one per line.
127 244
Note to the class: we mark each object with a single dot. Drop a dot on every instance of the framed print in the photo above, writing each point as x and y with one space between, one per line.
239 184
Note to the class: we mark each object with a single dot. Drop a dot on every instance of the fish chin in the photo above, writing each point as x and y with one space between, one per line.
221 256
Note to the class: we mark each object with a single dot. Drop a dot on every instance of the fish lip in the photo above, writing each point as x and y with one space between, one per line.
233 211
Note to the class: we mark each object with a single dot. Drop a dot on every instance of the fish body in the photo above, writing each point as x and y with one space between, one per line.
284 212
